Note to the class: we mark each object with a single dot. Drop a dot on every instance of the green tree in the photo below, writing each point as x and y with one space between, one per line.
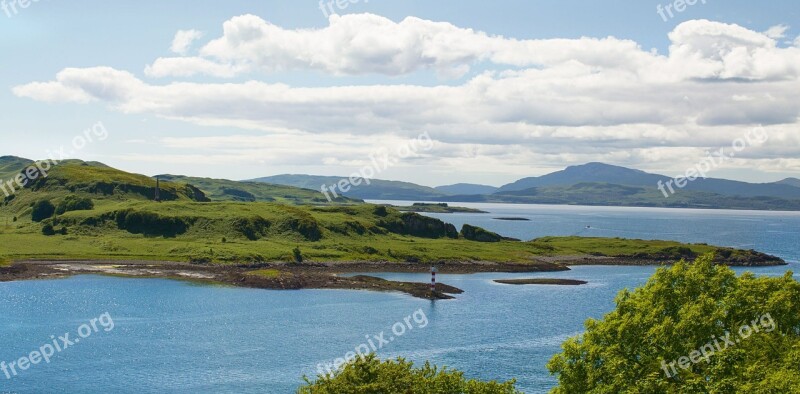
371 376
42 210
680 310
48 230
74 203
298 256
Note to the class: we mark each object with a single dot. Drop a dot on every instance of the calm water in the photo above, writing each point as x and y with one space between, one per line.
172 336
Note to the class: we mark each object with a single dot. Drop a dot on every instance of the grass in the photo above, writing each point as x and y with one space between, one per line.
268 273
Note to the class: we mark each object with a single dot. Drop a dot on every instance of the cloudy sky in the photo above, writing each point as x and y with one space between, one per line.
506 89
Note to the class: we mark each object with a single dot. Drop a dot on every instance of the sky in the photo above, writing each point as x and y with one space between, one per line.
502 90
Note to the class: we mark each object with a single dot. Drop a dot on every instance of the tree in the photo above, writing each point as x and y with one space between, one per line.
42 210
370 375
74 203
684 314
48 230
298 256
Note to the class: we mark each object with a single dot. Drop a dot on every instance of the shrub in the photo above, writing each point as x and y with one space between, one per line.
74 203
150 223
48 230
370 375
298 256
42 210
252 228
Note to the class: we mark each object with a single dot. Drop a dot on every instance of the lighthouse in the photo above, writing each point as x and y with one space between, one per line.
433 279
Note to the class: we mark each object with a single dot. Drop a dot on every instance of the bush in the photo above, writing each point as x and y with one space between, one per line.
150 223
74 203
48 230
370 375
680 311
42 210
298 256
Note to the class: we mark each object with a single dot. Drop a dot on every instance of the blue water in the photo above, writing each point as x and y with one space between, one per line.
178 337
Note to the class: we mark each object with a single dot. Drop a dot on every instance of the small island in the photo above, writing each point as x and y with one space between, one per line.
542 281
514 219
422 207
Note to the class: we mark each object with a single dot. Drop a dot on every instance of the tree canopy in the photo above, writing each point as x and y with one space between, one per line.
373 376
693 328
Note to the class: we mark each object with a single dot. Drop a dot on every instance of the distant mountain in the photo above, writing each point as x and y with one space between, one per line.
790 181
467 189
605 173
226 190
376 190
591 172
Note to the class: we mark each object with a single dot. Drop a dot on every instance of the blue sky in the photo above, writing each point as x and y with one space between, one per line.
49 36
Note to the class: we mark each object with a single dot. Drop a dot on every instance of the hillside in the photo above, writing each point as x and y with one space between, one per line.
789 181
376 190
604 173
588 184
10 166
607 194
92 211
226 190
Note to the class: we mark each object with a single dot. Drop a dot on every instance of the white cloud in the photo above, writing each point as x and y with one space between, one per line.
184 39
547 101
359 44
777 32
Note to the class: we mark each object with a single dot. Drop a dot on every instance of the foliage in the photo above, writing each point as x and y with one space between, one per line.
150 223
370 375
298 256
74 203
42 210
48 230
474 233
680 310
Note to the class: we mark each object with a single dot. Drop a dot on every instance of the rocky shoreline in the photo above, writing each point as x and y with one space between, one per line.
328 275
282 276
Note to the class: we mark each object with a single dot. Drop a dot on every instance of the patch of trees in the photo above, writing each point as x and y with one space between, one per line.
150 223
371 375
252 228
418 225
74 203
474 233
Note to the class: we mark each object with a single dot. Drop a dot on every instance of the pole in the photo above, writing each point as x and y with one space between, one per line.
433 279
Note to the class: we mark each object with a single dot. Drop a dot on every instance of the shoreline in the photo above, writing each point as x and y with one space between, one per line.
311 275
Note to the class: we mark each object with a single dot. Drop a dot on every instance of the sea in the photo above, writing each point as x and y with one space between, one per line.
109 334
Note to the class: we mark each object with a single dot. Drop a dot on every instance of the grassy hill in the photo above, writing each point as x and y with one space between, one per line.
376 190
226 190
92 211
